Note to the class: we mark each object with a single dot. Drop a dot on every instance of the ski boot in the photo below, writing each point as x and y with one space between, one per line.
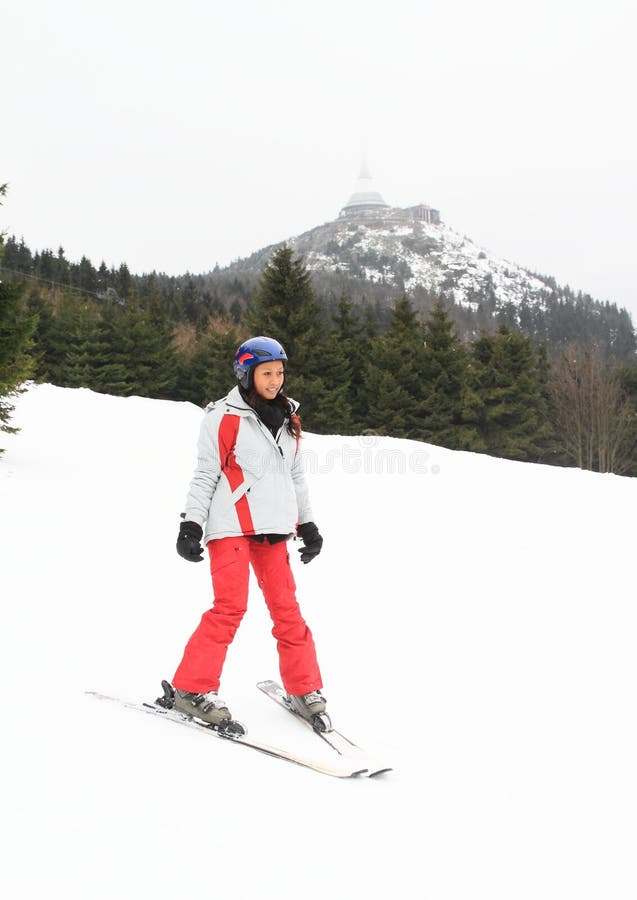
207 708
311 707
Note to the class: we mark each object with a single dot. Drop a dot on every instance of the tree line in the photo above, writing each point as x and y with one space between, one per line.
16 329
404 374
560 318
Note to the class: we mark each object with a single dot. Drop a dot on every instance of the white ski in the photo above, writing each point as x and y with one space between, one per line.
345 748
345 771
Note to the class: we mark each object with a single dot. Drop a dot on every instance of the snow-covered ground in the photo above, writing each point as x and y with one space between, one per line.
483 609
435 257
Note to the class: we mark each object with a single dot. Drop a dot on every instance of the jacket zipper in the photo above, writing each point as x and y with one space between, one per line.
251 412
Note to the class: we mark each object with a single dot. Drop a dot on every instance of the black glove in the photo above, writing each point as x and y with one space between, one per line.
189 541
309 534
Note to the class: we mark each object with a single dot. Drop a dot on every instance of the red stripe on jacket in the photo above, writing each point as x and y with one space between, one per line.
227 437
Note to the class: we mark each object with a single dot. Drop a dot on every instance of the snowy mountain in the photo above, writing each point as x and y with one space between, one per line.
401 252
483 608
382 251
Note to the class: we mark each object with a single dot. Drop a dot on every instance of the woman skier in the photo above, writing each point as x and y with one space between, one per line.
248 495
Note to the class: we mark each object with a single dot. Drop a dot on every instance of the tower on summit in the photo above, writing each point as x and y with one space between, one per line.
366 199
367 202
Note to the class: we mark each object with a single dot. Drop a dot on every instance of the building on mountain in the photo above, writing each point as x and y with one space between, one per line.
424 213
366 202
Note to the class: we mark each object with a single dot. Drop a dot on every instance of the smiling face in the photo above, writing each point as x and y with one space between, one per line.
268 379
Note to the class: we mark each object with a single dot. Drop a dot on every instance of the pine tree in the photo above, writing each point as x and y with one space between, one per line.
506 379
16 330
215 361
110 365
133 352
81 336
150 347
65 340
61 268
333 412
85 275
445 398
284 307
394 376
16 256
123 281
103 278
16 361
354 341
389 402
39 309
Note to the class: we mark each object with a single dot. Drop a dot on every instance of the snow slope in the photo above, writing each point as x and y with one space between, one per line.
487 606
393 250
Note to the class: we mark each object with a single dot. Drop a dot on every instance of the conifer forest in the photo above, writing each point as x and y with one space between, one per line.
556 385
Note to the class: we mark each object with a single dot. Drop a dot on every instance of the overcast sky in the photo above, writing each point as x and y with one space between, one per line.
177 135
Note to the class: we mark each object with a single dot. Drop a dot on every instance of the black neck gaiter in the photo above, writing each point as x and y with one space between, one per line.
271 412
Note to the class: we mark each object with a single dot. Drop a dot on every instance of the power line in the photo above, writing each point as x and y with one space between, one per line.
110 291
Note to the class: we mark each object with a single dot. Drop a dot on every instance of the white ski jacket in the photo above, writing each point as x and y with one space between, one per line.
246 481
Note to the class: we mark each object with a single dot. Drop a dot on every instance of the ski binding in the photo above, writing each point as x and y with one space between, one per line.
322 726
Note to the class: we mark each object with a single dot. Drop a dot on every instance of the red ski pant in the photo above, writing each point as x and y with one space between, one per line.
205 653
